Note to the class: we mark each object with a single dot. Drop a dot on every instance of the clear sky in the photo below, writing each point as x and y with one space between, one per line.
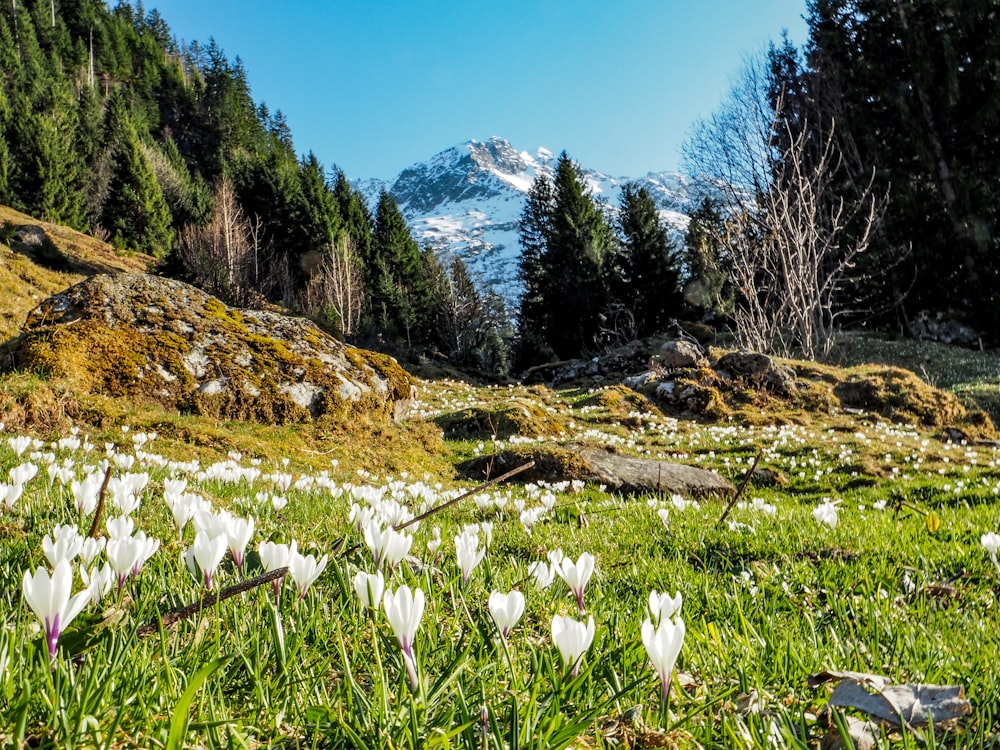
376 86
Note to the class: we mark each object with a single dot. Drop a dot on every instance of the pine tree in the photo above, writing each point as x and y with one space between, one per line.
356 221
397 287
574 291
135 212
651 289
705 288
534 231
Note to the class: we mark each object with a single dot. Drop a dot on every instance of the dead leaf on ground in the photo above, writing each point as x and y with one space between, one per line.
898 706
862 733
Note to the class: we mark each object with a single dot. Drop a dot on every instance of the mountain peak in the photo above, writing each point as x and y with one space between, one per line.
467 200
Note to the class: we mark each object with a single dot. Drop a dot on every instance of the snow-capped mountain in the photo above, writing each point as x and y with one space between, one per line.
468 200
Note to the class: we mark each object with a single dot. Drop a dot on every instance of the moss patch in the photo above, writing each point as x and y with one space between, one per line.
520 416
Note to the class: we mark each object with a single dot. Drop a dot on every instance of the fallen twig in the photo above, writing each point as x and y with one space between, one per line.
739 490
100 504
182 613
464 495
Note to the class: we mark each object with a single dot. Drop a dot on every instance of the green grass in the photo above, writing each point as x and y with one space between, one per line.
768 599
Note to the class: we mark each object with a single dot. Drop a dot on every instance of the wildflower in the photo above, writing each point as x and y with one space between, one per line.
64 544
543 573
663 644
664 515
91 548
23 474
85 493
274 556
577 574
369 588
572 638
434 544
387 545
991 543
206 553
120 527
679 502
506 610
239 531
468 552
304 570
404 608
10 494
663 606
826 512
50 600
19 444
147 548
124 553
98 581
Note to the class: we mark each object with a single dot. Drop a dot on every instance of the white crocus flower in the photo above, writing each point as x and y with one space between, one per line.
576 575
572 638
663 606
50 599
124 553
274 556
120 527
239 531
207 552
991 543
91 548
369 588
506 610
543 575
468 553
826 512
404 609
304 570
64 544
663 644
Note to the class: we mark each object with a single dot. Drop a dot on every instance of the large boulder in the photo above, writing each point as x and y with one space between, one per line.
162 340
634 476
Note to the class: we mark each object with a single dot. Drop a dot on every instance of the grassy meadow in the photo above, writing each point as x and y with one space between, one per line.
891 577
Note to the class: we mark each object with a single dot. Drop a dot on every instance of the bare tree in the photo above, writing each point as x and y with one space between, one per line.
789 253
335 290
222 256
785 234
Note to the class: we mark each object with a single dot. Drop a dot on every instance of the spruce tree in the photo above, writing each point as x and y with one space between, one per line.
534 231
397 288
574 291
706 289
135 213
651 289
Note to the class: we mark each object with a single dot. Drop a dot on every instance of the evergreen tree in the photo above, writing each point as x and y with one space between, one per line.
913 88
355 219
706 287
135 212
534 231
651 289
397 288
574 290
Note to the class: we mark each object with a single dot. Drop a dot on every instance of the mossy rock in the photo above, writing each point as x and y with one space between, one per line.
144 337
899 395
519 416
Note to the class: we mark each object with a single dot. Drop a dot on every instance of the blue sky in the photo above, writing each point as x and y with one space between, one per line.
373 87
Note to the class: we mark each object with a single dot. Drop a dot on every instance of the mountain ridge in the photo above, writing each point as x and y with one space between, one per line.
467 200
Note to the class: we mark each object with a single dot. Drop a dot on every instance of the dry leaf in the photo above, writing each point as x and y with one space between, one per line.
910 706
862 734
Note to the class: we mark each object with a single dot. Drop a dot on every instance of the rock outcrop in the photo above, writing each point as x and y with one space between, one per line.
162 340
633 476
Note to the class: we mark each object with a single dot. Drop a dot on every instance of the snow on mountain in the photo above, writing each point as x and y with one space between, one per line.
468 199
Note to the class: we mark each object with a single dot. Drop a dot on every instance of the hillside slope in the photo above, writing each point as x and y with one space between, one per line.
30 273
